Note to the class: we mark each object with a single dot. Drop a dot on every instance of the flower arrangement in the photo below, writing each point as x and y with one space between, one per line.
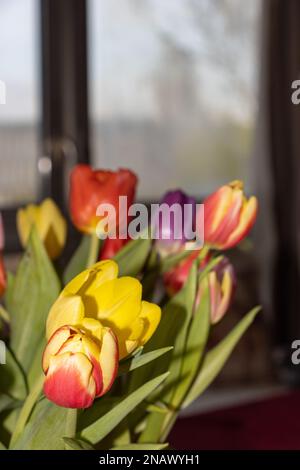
106 352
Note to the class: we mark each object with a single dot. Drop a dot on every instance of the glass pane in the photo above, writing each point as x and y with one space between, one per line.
19 115
173 90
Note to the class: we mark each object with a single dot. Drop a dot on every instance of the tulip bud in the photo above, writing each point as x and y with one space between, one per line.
111 246
175 279
50 225
78 369
90 188
228 216
168 241
221 285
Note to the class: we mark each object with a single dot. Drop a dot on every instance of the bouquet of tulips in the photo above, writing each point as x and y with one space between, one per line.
105 352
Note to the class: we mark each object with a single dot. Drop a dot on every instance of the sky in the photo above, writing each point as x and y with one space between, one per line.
124 53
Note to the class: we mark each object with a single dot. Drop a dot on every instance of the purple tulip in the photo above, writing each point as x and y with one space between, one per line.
173 228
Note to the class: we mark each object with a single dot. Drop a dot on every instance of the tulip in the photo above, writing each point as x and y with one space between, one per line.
2 268
168 242
49 223
97 298
79 368
221 284
90 188
228 216
175 279
111 246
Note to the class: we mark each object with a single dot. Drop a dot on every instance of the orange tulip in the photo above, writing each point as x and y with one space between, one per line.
78 369
90 188
228 216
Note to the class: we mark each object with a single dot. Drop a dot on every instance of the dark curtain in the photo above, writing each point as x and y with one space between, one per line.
281 68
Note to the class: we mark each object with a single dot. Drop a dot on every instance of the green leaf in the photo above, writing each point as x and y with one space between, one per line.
196 342
171 261
103 426
182 302
212 263
132 257
9 290
2 446
138 361
36 287
216 358
12 378
100 407
78 261
45 429
77 444
157 267
36 370
142 447
187 299
174 320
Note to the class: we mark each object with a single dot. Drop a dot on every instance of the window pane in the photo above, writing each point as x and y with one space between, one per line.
173 90
19 115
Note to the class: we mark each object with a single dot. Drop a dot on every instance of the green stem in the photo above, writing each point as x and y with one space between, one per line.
71 422
26 410
94 250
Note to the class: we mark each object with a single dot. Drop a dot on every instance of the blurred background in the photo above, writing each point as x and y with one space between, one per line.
188 94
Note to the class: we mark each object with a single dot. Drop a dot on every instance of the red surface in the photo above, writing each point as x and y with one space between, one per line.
268 425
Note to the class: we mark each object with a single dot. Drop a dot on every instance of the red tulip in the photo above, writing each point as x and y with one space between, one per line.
228 216
77 368
90 188
111 247
175 279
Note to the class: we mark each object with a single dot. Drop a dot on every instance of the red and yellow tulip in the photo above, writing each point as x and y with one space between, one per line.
97 298
221 282
228 216
90 188
79 368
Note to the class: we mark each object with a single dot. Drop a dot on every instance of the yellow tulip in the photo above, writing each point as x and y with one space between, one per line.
49 222
97 298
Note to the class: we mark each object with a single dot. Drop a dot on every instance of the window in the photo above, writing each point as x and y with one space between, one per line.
19 115
173 90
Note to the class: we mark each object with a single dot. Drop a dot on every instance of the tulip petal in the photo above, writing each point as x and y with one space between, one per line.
25 219
109 359
230 220
246 222
68 310
69 382
151 315
92 278
54 344
52 228
215 208
115 303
